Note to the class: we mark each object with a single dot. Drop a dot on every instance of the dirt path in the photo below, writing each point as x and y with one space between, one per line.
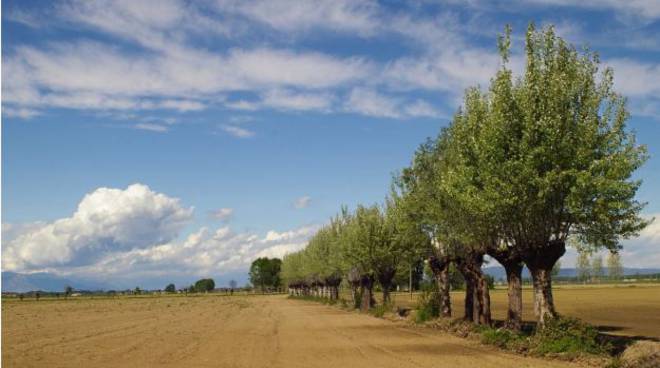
226 332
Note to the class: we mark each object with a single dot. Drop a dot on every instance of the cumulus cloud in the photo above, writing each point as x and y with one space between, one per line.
302 202
106 220
203 252
222 214
132 234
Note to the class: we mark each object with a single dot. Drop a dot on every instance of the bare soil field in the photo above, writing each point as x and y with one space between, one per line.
220 331
630 310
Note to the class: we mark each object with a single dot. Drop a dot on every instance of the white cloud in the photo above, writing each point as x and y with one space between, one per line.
151 127
130 235
649 9
287 100
298 16
635 78
371 103
237 131
302 202
88 75
106 220
421 108
202 253
21 112
222 214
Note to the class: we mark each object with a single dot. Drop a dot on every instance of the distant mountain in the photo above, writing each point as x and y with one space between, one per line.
498 272
44 281
20 282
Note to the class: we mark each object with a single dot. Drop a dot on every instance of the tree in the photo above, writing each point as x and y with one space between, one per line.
204 285
614 266
265 273
232 284
545 157
583 266
170 288
597 267
67 291
137 290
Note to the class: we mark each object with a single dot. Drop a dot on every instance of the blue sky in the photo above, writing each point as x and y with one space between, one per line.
245 125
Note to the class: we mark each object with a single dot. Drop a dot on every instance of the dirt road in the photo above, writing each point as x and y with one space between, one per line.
213 331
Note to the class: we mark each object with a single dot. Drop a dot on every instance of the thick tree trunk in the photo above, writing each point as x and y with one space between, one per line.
367 284
386 294
540 262
514 282
440 268
477 295
513 265
544 306
385 279
484 301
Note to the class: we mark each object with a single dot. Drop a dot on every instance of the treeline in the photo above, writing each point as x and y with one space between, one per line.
523 168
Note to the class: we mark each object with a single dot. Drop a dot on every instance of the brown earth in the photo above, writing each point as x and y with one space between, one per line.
220 331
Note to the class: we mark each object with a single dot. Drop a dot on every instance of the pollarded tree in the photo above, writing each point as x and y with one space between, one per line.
368 244
292 273
422 207
614 266
554 159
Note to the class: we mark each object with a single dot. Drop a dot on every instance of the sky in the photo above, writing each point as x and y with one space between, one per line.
146 141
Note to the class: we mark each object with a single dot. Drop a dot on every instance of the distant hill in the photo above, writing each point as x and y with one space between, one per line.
498 272
44 281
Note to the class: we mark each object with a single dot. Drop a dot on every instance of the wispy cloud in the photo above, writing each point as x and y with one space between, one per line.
237 131
151 127
302 202
222 214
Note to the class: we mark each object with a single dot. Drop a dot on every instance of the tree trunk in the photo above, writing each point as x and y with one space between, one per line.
484 301
544 306
514 282
385 277
513 265
440 268
469 298
367 284
386 294
540 262
477 295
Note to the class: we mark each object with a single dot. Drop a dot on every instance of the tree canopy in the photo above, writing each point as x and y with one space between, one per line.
265 273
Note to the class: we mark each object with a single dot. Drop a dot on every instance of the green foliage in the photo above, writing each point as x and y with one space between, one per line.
503 338
170 288
265 273
567 335
427 307
204 285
